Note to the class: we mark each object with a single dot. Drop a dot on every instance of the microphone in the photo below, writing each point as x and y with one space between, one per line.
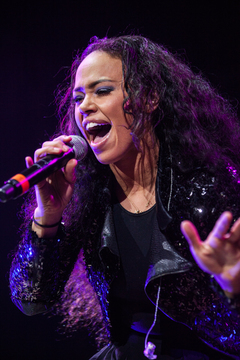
22 182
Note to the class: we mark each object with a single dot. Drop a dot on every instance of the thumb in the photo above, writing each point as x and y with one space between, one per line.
28 161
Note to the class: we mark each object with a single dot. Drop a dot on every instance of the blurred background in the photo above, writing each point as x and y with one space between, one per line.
37 42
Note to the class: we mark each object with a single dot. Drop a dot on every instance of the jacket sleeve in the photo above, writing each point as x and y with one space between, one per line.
38 274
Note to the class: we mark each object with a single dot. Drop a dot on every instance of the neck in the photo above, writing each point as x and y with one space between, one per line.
135 178
137 171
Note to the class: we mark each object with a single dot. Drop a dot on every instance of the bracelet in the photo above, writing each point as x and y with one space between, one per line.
46 226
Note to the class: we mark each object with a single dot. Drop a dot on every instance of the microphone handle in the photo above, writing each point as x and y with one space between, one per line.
22 182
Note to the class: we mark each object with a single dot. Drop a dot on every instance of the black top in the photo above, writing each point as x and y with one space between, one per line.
133 233
130 309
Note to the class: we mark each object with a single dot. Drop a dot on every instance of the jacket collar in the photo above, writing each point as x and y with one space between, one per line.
159 245
108 236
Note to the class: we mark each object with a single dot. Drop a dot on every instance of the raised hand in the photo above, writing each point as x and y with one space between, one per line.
219 254
54 193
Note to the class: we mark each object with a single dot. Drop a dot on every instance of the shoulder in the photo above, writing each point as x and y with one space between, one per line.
199 195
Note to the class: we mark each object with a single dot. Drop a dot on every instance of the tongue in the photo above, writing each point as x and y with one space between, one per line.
100 135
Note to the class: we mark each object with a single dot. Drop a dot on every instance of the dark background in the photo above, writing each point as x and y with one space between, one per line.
38 40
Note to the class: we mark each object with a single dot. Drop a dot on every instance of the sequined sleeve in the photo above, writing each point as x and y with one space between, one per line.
36 279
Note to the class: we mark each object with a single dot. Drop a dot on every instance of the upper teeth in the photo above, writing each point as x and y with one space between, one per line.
92 124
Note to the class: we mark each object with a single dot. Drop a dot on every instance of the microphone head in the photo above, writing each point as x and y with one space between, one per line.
79 146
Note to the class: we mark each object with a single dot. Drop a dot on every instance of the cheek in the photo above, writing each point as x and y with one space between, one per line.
78 120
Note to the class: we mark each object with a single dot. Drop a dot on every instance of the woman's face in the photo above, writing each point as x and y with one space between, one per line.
98 96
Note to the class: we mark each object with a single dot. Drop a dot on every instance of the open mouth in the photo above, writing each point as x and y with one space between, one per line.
98 131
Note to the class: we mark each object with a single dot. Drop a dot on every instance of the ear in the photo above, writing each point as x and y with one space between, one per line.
153 104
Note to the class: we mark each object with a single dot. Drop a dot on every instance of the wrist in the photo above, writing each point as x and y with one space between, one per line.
230 286
46 218
45 226
228 294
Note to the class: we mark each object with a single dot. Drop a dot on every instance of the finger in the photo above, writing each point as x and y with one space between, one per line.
58 142
220 229
50 150
234 234
28 161
222 225
53 147
191 234
64 138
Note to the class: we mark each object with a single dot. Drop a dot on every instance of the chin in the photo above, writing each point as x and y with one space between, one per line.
102 159
105 159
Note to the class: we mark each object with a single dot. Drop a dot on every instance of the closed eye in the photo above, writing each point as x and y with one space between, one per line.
104 90
100 92
77 99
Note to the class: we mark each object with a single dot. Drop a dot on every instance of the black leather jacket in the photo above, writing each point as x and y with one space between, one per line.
187 294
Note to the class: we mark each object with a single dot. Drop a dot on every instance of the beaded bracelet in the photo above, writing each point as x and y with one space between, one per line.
46 226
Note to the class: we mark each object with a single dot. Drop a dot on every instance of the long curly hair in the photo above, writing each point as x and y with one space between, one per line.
191 116
165 97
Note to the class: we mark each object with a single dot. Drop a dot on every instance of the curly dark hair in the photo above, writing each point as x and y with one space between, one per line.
191 116
197 124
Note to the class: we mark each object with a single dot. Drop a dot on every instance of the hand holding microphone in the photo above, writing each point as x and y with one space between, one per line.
53 173
57 155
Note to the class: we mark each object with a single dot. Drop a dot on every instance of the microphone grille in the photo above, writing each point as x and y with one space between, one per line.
79 145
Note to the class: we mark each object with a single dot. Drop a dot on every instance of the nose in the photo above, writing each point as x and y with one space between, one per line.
87 106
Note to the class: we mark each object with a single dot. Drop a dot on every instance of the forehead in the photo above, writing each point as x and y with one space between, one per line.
98 65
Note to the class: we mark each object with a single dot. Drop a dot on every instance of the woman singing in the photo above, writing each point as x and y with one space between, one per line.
140 240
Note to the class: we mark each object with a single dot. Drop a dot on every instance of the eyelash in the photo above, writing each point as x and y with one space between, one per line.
77 99
101 92
104 90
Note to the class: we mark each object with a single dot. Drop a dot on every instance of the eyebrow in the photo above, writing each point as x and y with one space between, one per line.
92 84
